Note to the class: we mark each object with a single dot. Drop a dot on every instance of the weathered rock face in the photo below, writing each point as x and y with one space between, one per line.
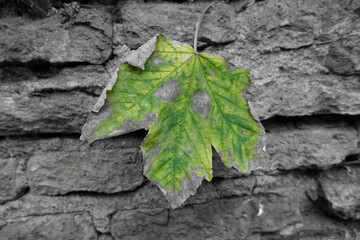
306 95
78 36
340 191
62 226
143 21
104 170
304 60
198 222
320 142
12 179
303 57
52 100
58 166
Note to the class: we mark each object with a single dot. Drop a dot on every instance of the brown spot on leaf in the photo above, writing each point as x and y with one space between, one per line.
245 133
214 122
168 91
201 102
157 61
213 73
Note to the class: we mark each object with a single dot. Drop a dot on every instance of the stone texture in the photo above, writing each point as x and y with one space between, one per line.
48 99
100 206
319 227
141 21
281 200
83 36
210 220
30 8
50 112
104 170
277 214
105 237
274 25
343 56
87 78
118 155
61 226
62 165
288 210
303 57
24 147
285 211
339 192
220 170
288 95
314 227
273 206
304 143
12 179
294 83
312 142
222 188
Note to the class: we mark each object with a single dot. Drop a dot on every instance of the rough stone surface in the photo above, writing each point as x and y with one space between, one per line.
304 143
277 208
222 188
289 214
198 222
50 112
305 95
12 179
82 36
303 57
48 99
62 226
36 80
142 21
320 142
105 237
304 61
30 8
100 206
61 165
106 170
339 192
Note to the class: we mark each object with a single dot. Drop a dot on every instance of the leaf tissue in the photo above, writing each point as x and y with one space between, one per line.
189 102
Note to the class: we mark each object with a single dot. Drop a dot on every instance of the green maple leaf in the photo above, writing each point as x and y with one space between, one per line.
189 102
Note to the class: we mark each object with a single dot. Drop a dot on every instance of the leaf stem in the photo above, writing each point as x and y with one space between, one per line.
198 25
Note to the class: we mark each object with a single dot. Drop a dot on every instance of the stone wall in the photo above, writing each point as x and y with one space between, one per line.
55 58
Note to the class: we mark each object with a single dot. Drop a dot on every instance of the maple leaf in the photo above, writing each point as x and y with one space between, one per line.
189 102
